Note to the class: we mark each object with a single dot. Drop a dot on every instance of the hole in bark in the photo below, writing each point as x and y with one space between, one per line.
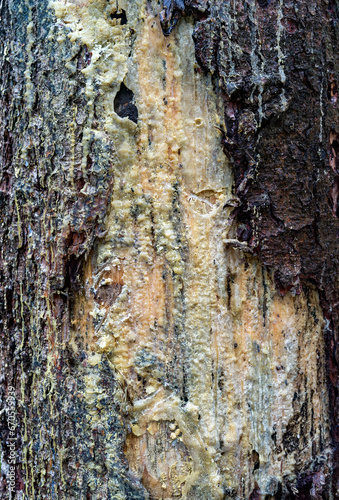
120 16
124 105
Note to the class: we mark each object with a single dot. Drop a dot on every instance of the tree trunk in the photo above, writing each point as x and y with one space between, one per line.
169 268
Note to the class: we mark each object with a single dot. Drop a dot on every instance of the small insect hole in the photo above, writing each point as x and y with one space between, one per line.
121 16
124 104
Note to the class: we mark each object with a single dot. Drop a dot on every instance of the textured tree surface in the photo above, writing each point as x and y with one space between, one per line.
169 260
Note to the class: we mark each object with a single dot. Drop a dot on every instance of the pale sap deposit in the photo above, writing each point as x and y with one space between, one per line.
215 366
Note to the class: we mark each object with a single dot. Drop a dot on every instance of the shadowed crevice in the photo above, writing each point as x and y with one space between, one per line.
124 104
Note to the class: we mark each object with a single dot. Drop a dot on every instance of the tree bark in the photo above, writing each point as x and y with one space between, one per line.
169 267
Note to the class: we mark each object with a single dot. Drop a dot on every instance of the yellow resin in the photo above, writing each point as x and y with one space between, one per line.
172 281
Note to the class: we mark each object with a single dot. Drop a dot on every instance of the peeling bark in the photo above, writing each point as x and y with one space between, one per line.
169 190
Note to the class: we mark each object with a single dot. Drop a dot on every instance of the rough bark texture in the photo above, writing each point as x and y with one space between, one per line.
169 262
278 69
